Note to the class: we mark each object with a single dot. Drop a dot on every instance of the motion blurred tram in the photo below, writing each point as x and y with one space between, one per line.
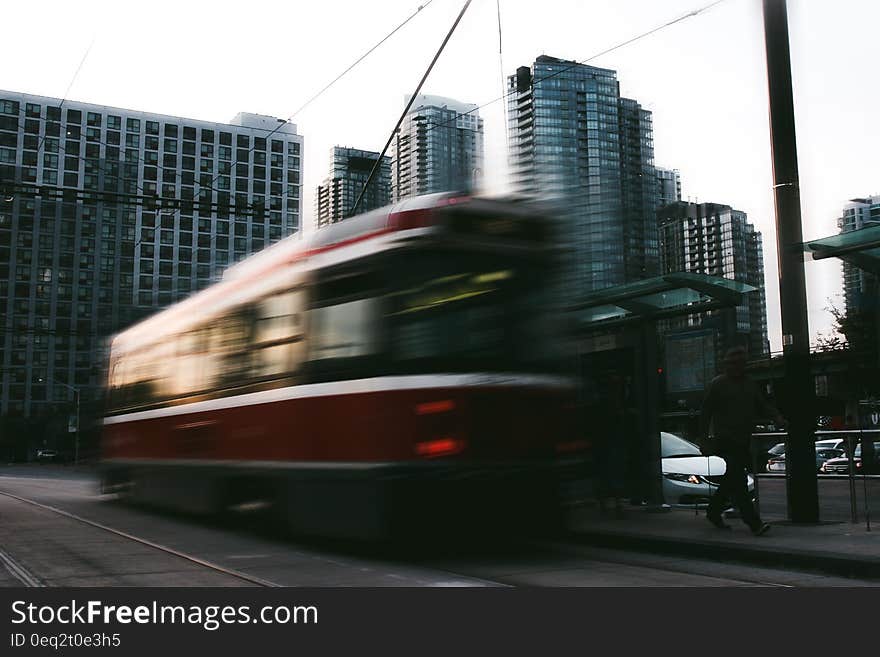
395 370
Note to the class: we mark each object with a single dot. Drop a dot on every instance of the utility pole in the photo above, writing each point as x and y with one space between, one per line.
799 391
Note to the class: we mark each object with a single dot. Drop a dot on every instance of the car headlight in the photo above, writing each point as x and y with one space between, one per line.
679 476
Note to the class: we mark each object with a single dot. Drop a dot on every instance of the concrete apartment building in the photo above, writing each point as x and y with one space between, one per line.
108 214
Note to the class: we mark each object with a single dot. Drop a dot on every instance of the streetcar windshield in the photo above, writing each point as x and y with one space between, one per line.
466 312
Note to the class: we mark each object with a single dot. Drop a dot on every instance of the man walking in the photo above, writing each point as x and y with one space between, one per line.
732 406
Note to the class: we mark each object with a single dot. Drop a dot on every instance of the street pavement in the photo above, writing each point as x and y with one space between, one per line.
57 550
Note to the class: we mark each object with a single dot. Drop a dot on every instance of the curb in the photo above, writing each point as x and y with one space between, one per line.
824 562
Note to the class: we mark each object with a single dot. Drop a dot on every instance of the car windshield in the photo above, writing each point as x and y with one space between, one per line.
777 449
671 446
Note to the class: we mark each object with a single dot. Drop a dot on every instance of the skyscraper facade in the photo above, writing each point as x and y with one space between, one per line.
715 239
108 214
668 186
349 170
860 289
575 140
438 148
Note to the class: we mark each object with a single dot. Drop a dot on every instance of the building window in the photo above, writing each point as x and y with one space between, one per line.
114 122
74 116
9 107
152 127
133 125
170 130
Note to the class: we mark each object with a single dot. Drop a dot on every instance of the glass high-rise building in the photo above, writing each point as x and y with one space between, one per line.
438 148
669 186
717 240
576 141
349 170
860 288
108 214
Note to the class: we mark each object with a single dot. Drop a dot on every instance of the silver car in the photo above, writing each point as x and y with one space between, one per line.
690 478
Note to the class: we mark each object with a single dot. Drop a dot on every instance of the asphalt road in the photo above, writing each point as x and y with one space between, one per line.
40 546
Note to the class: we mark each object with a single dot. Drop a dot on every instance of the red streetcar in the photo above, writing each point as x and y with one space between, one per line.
398 366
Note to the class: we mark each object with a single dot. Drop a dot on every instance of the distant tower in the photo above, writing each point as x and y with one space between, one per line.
668 186
860 289
349 170
573 139
715 239
438 148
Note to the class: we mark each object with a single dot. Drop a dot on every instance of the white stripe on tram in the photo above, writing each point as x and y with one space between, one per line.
352 387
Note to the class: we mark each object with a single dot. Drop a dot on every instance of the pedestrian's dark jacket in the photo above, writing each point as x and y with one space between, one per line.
733 406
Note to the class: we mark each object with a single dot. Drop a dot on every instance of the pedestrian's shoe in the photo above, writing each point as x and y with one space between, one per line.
760 529
717 521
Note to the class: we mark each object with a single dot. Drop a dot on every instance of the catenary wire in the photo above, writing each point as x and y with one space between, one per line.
210 187
69 87
631 40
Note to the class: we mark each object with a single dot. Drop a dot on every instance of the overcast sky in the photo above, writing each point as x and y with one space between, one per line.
704 79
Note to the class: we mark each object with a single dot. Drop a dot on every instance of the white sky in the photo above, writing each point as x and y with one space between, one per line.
704 79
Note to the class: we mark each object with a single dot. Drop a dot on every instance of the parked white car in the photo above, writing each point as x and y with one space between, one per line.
690 477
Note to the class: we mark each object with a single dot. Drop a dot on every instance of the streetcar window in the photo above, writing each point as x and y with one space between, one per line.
188 369
279 334
230 341
450 311
345 330
344 325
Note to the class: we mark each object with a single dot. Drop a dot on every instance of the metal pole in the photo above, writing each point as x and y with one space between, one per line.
853 510
76 439
378 163
755 467
799 393
864 479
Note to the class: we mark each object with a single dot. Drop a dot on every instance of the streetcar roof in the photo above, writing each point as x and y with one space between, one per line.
261 265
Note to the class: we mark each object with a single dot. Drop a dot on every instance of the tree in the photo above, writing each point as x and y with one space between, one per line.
855 330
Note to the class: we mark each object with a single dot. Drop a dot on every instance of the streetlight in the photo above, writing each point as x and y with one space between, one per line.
76 399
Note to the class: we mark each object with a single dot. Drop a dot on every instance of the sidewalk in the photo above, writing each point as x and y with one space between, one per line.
839 548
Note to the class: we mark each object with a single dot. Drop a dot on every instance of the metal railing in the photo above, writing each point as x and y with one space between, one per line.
853 437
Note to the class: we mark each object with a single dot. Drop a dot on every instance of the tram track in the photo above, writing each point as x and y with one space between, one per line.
29 579
237 550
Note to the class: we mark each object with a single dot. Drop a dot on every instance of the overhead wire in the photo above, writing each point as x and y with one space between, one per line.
412 99
69 87
568 67
332 82
210 186
501 70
